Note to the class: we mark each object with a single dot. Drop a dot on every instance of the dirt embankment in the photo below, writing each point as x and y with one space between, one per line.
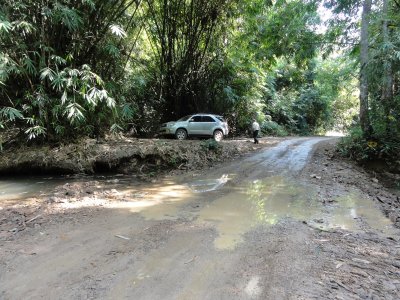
123 155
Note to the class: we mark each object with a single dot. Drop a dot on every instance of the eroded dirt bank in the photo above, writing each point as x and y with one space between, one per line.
122 155
288 222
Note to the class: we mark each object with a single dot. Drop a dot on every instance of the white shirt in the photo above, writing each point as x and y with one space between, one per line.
255 126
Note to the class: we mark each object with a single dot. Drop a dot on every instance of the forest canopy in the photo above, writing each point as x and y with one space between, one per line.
71 68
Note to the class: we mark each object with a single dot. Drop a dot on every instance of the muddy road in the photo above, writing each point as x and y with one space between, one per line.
278 224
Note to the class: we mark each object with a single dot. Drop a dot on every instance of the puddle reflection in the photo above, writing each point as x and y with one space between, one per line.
351 212
260 202
208 185
267 201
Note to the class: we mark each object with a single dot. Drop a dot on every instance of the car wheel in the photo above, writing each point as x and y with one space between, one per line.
218 135
181 134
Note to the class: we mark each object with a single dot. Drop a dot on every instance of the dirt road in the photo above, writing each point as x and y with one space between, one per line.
274 225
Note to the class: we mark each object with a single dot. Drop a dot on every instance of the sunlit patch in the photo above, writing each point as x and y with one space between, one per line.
169 198
158 201
335 133
372 144
135 206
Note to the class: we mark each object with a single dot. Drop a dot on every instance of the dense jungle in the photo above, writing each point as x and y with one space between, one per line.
91 68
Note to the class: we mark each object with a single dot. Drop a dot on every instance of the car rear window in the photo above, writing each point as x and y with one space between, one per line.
207 119
221 119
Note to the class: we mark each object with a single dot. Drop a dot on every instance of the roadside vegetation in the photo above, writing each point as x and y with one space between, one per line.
88 68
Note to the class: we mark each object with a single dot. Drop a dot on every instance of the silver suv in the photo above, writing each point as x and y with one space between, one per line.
196 125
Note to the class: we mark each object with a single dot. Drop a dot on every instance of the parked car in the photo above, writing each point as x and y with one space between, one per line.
196 125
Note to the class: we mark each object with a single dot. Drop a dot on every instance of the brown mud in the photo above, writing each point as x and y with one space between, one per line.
291 221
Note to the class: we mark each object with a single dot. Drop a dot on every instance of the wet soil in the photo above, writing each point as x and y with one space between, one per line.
362 264
287 222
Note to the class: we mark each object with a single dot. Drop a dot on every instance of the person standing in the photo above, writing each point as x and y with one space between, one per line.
256 128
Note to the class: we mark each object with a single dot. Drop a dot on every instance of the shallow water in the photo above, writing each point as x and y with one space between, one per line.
352 212
23 188
208 185
233 209
273 199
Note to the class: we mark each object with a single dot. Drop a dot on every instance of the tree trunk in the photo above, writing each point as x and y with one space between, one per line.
387 86
364 107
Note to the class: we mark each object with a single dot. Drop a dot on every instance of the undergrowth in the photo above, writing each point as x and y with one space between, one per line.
211 145
383 147
273 129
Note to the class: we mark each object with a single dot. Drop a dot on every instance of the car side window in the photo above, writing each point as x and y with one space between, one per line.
196 119
208 119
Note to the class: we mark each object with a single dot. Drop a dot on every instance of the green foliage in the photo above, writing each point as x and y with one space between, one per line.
382 138
293 99
379 147
268 59
9 114
35 131
336 81
211 145
184 37
88 67
311 111
53 65
273 128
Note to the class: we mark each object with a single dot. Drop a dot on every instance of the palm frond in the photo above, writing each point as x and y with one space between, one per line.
10 114
118 31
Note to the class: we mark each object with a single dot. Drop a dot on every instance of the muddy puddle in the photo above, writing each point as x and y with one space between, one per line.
232 210
352 212
274 199
24 188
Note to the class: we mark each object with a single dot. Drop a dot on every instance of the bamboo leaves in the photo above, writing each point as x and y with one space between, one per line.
47 73
78 67
35 131
127 112
113 50
67 16
75 113
24 27
81 91
29 65
10 113
5 26
118 31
